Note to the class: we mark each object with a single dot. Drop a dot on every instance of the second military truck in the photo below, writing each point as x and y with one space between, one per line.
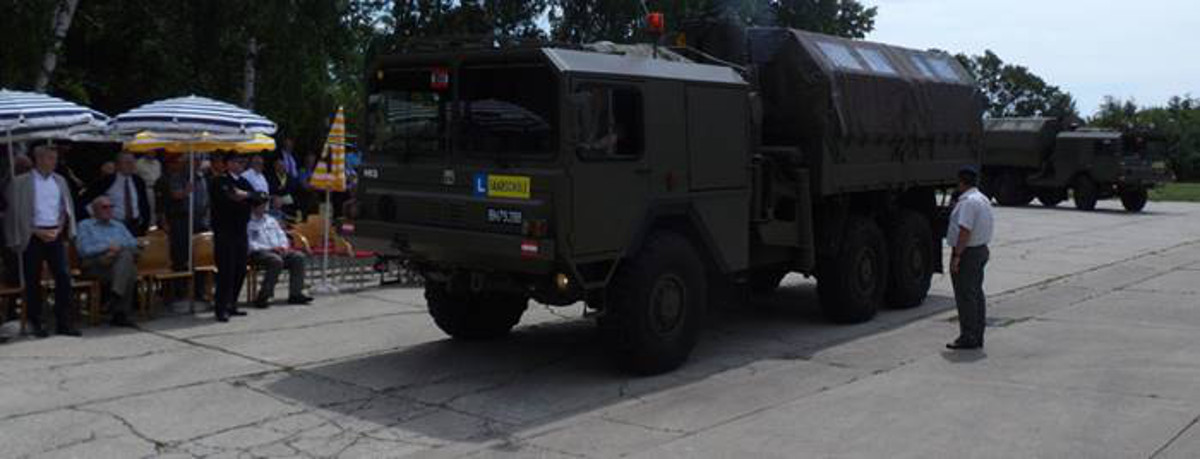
648 184
1026 158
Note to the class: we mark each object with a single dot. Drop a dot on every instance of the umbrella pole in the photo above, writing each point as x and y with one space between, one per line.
12 175
191 225
326 286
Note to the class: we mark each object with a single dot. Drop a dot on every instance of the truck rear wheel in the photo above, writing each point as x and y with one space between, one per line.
851 285
1051 197
656 306
1135 200
474 316
911 245
1086 193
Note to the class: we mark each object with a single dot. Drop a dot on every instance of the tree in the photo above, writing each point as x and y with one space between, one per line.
1014 90
62 24
581 21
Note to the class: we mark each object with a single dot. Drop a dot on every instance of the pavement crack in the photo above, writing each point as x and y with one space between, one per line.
159 446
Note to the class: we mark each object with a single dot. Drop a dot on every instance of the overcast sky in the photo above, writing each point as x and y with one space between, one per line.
1145 49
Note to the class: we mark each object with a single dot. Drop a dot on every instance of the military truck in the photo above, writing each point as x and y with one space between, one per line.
1026 158
650 183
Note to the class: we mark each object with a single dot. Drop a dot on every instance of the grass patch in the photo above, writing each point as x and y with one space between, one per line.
1184 192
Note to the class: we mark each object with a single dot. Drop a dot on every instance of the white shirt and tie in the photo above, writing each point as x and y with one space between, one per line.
121 186
973 211
48 200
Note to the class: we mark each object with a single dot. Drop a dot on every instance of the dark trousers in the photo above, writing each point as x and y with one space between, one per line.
231 249
272 264
968 294
55 254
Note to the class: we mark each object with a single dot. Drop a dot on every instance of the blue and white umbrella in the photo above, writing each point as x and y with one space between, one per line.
32 116
191 116
188 119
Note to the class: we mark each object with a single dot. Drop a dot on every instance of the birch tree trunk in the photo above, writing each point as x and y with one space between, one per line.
62 23
249 74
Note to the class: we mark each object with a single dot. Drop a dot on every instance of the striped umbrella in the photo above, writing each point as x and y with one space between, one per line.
330 171
329 174
30 116
190 120
192 116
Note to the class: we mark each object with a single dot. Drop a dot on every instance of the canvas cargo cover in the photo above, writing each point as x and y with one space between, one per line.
1019 142
874 90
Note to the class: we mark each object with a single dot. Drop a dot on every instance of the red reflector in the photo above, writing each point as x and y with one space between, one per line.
529 248
656 22
440 78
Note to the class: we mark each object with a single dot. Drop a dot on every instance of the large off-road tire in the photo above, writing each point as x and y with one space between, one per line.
1052 197
1085 192
911 254
1012 190
656 304
1134 200
852 284
766 281
474 316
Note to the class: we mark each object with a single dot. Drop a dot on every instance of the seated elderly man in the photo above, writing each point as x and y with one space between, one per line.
271 252
107 251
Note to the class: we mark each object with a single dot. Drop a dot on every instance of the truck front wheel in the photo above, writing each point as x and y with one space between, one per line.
1052 196
1134 200
656 306
1013 191
1086 193
851 285
474 316
911 260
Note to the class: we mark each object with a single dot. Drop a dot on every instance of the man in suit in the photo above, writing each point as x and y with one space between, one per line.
127 191
39 222
233 198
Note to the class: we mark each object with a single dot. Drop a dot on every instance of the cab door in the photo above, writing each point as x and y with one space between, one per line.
610 174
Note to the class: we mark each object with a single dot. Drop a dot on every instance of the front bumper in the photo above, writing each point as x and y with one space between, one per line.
452 249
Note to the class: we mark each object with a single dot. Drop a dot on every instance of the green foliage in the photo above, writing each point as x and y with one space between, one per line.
1014 90
581 21
1178 123
1183 192
118 55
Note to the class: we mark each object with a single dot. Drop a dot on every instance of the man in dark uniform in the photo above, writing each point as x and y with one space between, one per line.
233 199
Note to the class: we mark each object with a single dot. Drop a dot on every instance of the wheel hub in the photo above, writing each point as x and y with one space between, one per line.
667 302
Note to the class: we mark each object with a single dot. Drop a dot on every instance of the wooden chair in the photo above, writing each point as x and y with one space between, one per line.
345 259
12 298
91 288
205 262
154 270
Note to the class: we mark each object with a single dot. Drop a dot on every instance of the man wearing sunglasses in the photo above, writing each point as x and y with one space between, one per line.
108 252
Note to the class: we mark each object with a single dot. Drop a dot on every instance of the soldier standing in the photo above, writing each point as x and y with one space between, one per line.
969 233
233 198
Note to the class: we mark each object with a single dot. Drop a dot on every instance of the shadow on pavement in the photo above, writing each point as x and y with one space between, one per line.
554 370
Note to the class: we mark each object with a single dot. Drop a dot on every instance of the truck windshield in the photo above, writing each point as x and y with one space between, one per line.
484 111
506 110
407 117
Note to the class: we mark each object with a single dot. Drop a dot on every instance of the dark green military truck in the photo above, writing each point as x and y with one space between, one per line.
647 185
1027 158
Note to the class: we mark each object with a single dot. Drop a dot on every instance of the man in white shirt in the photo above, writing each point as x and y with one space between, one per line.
254 174
969 233
271 252
127 191
38 224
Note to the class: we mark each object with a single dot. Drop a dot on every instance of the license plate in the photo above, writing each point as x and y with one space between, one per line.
503 186
505 216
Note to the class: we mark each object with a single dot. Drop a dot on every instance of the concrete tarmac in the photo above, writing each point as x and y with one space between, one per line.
1093 351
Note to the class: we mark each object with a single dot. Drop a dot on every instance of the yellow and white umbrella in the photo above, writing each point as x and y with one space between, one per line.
146 142
329 174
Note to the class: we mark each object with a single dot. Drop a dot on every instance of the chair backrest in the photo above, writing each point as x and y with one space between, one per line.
202 251
155 254
313 229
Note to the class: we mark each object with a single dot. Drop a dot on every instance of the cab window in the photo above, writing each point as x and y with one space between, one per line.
609 122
